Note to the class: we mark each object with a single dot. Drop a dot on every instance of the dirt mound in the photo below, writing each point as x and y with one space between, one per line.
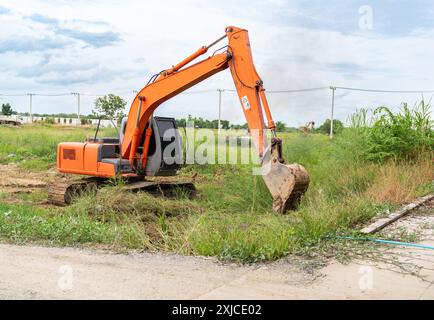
13 179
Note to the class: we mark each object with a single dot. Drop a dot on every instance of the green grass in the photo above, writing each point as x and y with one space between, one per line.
231 218
35 147
23 224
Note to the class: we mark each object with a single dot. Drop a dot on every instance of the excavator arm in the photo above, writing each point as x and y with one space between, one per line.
164 88
287 183
169 83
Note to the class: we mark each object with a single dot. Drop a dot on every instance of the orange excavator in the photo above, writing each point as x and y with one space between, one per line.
138 154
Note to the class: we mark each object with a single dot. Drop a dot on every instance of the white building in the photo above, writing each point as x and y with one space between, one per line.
59 121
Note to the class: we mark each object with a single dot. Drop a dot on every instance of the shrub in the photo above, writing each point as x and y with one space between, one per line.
404 135
49 120
338 126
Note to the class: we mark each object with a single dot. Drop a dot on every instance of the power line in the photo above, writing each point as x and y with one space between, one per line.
299 90
200 91
13 95
91 94
232 90
51 95
288 91
35 94
384 91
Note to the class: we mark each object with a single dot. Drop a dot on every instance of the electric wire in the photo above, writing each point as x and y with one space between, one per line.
384 91
153 78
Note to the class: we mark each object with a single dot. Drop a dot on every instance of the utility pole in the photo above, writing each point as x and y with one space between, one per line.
333 111
220 109
30 106
78 105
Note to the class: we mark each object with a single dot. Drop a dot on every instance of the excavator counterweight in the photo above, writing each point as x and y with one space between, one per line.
138 152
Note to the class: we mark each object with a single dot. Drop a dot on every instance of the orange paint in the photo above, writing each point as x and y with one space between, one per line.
146 147
134 145
198 53
271 124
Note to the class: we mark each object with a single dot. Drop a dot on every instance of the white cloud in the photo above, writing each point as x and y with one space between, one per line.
157 34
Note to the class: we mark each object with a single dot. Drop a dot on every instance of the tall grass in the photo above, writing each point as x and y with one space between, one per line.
231 217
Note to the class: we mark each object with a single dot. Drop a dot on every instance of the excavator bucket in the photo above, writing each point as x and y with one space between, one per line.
286 183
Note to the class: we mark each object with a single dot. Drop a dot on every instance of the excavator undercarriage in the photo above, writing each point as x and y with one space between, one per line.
149 147
63 192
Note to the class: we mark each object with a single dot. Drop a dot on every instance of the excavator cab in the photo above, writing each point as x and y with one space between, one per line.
101 156
165 137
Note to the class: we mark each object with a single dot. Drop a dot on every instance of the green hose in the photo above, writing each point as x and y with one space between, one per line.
399 243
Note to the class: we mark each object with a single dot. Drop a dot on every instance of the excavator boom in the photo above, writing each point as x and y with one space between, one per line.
287 183
169 83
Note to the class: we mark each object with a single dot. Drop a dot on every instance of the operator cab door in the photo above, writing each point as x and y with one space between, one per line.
165 148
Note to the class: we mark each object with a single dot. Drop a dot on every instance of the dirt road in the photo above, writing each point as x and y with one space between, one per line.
53 273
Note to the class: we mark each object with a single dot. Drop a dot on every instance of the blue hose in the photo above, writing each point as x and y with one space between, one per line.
399 243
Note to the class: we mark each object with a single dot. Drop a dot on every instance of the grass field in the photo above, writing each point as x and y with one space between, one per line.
231 218
34 147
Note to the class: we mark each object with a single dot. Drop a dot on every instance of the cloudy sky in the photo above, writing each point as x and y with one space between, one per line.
99 47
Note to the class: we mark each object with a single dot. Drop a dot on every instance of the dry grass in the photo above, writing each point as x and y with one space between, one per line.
399 183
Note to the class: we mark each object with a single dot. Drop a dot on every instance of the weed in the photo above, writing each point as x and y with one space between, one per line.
401 136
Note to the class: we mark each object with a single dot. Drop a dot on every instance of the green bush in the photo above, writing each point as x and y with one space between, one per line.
338 126
400 136
49 120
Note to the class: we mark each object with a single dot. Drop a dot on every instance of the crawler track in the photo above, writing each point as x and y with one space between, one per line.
62 193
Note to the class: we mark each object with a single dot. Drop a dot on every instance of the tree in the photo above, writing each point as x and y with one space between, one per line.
280 126
225 124
49 120
338 126
7 109
181 123
110 107
239 126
